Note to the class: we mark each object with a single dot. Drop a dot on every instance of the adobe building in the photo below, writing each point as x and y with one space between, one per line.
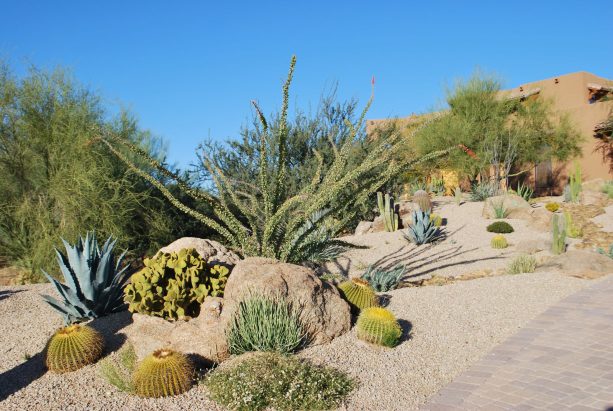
588 101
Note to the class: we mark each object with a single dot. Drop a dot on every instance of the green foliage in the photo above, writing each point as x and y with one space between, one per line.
54 182
94 280
382 280
422 229
575 185
507 135
263 216
572 230
378 325
416 185
358 293
437 186
500 211
173 285
387 210
524 191
499 241
73 347
558 233
482 190
436 219
266 323
274 381
500 227
457 195
552 206
118 372
607 188
522 264
607 253
422 199
163 373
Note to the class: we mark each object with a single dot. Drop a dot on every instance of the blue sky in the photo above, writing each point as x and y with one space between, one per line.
189 69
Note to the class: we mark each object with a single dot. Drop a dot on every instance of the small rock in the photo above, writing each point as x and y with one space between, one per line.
363 227
212 251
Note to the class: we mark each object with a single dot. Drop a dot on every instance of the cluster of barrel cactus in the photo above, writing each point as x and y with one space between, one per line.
163 373
358 293
173 285
499 241
378 325
73 347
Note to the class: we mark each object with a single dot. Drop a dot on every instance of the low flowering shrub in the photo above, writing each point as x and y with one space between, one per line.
275 381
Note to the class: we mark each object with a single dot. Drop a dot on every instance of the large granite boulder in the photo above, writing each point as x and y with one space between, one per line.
515 205
578 263
203 335
212 251
325 313
540 218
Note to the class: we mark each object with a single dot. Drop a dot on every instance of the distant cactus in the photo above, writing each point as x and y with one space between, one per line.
499 241
378 325
358 293
73 347
553 207
436 219
387 211
558 231
162 374
575 185
457 195
572 230
422 199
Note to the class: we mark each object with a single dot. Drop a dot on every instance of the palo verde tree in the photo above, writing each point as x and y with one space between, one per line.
265 216
507 135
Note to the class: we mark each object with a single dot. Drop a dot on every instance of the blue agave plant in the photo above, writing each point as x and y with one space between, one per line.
422 230
93 278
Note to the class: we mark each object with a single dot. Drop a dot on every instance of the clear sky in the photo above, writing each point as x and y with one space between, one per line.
188 69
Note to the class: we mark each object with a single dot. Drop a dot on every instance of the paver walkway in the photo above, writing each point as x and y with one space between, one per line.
561 360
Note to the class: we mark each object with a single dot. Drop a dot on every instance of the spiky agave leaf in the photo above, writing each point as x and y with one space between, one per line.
94 280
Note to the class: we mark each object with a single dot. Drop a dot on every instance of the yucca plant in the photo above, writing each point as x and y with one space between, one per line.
258 218
94 280
422 229
524 191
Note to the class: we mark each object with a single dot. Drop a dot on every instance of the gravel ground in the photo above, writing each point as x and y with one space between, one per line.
466 248
450 327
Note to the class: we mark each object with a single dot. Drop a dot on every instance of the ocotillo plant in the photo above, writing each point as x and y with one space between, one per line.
558 229
263 220
387 211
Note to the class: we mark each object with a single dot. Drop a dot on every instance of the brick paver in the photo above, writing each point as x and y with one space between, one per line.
561 360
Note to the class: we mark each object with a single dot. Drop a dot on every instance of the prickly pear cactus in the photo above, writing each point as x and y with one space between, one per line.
73 347
162 374
358 293
378 325
173 285
498 241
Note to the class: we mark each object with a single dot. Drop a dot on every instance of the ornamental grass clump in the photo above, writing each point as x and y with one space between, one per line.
500 227
272 381
260 216
522 264
266 323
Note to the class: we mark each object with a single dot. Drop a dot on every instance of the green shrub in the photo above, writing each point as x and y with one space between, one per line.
607 188
500 227
274 381
522 264
384 280
266 323
607 253
173 285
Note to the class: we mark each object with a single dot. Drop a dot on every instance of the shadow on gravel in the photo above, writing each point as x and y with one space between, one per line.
406 326
110 327
22 375
7 293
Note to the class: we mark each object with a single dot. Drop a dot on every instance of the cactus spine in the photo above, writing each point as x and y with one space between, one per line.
498 241
558 245
378 325
358 293
162 374
73 347
387 211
